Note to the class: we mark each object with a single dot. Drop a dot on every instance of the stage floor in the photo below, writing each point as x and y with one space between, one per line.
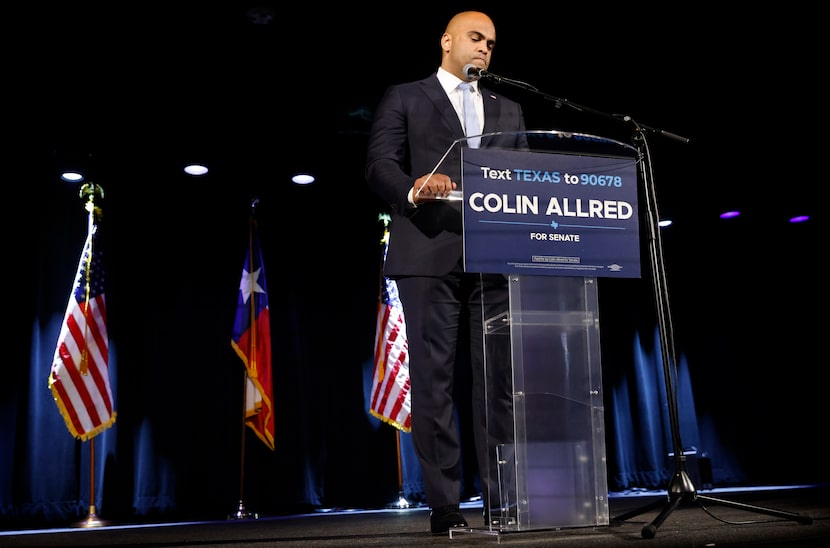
699 520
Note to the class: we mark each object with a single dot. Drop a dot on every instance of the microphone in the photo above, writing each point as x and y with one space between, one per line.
472 72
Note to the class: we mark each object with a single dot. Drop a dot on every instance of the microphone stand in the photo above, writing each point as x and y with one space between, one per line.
681 488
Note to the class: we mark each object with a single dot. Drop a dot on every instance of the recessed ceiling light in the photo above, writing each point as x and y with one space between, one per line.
72 176
195 169
303 179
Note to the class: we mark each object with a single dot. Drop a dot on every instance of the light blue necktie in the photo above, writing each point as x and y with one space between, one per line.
471 125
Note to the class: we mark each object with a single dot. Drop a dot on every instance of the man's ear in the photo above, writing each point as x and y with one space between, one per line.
446 41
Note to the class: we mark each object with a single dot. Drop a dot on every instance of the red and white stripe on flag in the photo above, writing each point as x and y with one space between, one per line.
79 377
390 399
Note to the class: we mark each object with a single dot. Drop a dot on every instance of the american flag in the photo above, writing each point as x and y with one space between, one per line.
79 377
390 399
251 340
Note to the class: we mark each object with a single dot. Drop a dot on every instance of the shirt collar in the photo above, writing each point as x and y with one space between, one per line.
450 81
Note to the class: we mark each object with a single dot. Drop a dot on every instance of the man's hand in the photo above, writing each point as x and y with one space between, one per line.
430 187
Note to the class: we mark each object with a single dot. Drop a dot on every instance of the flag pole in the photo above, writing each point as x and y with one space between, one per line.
92 514
89 191
401 502
241 511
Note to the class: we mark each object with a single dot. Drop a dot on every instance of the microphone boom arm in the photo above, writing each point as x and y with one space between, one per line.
474 73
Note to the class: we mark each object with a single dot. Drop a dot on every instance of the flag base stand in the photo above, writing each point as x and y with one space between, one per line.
401 502
242 513
91 520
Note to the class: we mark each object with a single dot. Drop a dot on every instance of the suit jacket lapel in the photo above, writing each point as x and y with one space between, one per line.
492 110
436 94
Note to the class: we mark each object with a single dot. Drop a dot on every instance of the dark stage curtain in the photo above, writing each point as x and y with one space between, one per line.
175 448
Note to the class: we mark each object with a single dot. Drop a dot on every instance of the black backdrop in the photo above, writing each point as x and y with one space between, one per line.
744 294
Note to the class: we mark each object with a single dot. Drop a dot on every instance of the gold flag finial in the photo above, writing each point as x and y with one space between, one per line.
89 191
386 219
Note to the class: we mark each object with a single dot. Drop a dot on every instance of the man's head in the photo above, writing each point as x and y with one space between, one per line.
469 39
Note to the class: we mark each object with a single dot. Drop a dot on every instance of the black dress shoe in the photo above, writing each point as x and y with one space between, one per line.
441 519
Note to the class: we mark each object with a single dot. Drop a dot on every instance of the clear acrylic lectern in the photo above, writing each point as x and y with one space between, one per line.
553 472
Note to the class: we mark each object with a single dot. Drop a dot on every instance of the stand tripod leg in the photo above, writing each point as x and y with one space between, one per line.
803 520
634 513
650 530
680 489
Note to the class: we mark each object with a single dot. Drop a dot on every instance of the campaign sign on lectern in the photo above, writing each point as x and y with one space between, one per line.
544 213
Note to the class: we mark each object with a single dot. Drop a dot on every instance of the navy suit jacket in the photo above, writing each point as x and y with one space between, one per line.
414 126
